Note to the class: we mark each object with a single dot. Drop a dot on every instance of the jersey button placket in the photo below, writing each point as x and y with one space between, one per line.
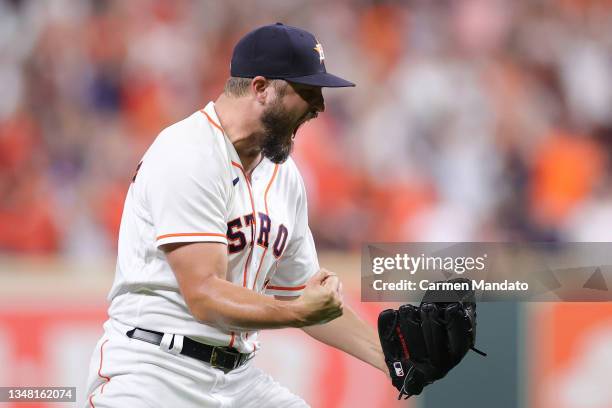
257 196
253 246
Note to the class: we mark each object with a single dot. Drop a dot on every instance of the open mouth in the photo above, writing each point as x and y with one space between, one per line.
305 118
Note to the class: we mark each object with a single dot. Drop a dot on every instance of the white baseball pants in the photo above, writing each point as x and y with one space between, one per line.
132 373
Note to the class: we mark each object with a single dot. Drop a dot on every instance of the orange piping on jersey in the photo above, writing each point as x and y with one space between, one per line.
104 377
215 124
268 188
100 368
253 225
266 205
192 234
285 287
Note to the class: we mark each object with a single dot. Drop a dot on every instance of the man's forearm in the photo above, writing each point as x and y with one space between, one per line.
200 270
352 335
231 307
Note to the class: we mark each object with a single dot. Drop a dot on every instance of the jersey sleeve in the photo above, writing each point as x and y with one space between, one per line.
185 193
299 261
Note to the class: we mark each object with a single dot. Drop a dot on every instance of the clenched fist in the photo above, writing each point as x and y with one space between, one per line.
321 300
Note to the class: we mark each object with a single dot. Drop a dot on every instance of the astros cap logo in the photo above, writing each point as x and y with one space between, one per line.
319 48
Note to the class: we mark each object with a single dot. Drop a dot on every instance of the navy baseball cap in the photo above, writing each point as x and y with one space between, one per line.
279 51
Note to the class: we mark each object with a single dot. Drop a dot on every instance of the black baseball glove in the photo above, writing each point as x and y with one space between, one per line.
422 344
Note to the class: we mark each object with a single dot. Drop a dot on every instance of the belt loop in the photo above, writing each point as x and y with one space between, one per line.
165 342
178 344
171 343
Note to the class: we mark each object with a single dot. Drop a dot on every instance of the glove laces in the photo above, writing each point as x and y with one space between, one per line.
403 390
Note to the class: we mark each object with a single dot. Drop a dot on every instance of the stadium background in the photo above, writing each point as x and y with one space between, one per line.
473 120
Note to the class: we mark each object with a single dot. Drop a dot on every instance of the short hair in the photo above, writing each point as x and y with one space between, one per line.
237 87
281 86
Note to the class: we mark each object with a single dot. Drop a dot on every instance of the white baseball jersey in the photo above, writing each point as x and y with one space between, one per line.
191 187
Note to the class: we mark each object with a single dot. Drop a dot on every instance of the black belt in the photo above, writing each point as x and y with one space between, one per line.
223 358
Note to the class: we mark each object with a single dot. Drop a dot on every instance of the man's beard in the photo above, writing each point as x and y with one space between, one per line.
279 127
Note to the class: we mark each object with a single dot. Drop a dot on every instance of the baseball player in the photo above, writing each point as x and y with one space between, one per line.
214 245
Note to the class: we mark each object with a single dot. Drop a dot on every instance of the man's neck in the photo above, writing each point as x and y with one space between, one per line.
238 123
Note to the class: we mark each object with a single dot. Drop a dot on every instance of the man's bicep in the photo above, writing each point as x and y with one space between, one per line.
194 264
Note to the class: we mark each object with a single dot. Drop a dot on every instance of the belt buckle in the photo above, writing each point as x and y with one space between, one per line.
216 351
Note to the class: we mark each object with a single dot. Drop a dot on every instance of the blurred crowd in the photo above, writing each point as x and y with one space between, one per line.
474 120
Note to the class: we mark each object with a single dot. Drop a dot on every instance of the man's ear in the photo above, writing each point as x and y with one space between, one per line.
260 87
